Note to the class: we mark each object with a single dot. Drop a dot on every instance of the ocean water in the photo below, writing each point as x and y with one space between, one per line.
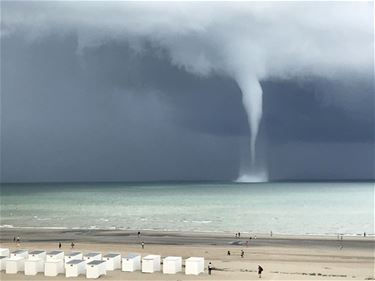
285 208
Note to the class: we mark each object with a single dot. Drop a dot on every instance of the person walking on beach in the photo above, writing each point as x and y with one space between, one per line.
242 253
72 245
143 245
209 268
18 241
260 269
59 245
239 234
228 253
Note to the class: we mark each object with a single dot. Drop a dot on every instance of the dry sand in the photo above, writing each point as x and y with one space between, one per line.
282 257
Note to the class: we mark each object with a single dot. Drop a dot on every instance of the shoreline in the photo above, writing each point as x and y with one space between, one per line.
356 236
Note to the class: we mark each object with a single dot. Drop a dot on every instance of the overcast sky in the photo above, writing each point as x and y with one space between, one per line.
152 92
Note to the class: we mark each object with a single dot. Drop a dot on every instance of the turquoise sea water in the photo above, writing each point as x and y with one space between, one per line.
287 208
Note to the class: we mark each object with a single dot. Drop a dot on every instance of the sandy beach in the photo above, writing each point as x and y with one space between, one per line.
282 257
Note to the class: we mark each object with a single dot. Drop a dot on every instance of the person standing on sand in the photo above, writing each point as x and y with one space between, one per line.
242 253
260 269
139 234
143 245
209 268
228 253
14 239
59 245
72 245
18 241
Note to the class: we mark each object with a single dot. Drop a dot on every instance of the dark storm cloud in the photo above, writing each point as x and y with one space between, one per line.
75 109
66 122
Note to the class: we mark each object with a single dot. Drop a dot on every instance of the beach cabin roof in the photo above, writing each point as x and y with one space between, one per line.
75 261
132 255
149 257
73 254
54 253
36 252
195 259
111 255
19 251
95 262
172 258
91 254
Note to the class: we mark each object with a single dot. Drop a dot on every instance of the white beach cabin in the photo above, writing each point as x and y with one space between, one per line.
194 265
54 263
16 262
73 268
4 252
55 255
73 256
131 262
35 262
172 265
151 263
113 261
53 267
3 262
92 257
95 269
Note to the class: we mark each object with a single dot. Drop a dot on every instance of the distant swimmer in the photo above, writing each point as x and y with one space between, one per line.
260 269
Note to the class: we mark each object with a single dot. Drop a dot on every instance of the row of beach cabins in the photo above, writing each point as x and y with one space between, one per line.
93 265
